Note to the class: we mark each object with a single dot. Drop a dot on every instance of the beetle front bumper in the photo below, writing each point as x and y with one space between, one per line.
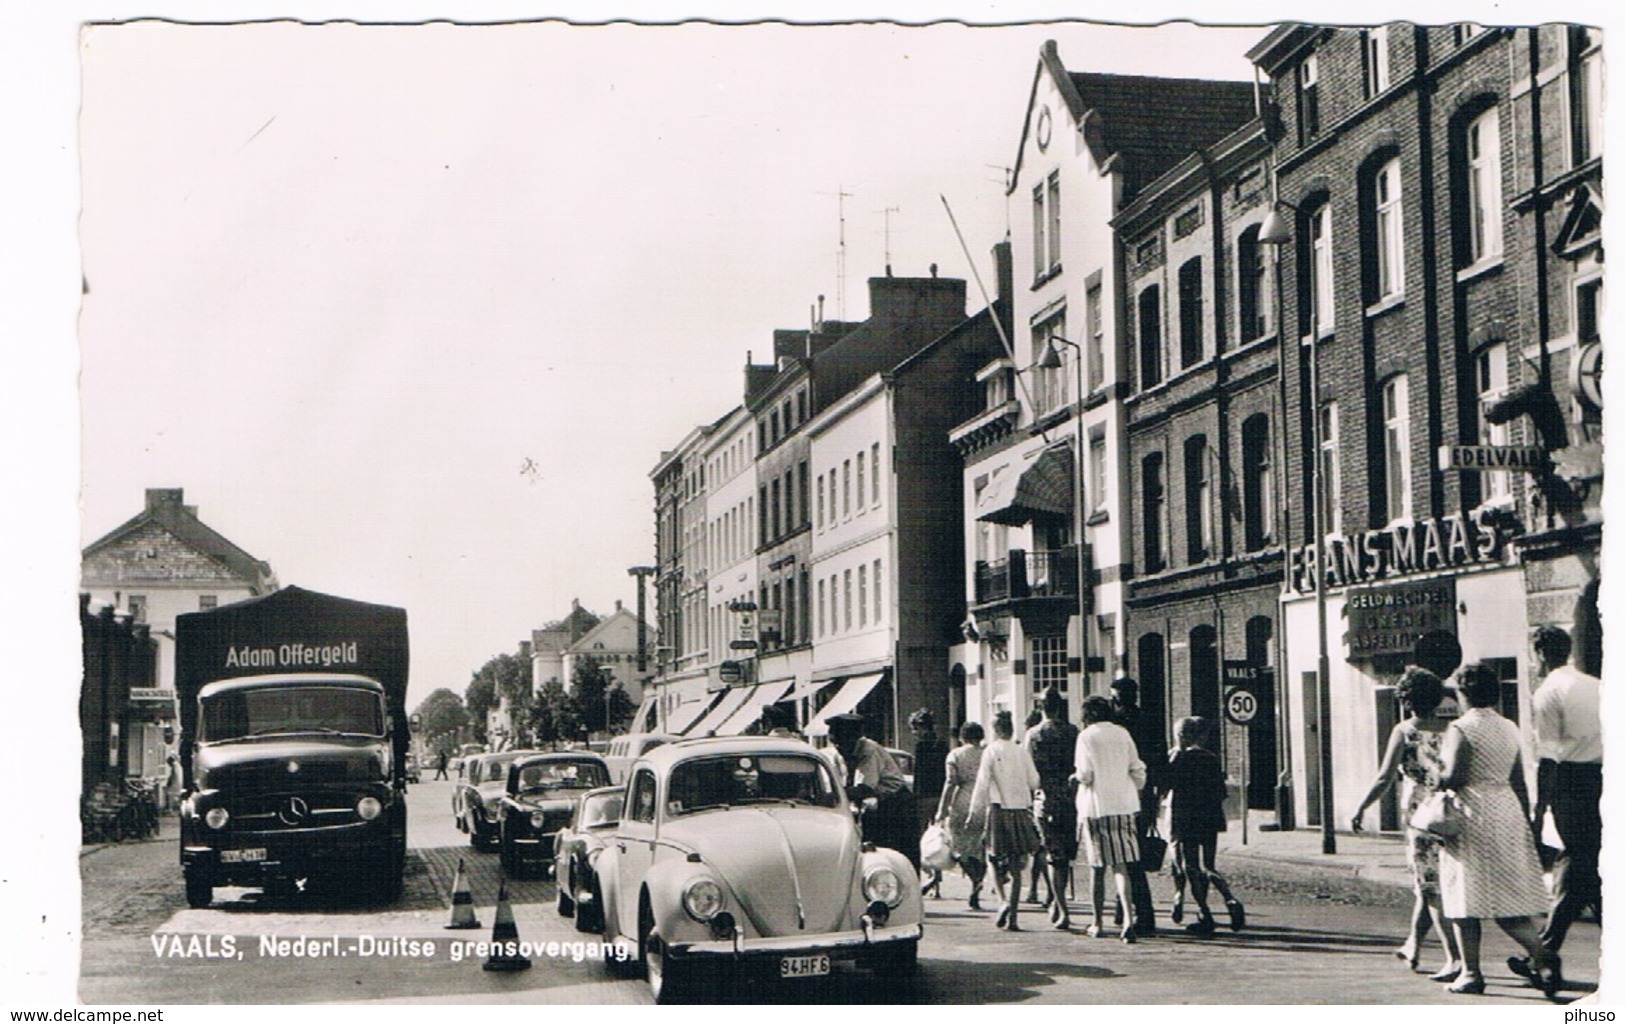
836 945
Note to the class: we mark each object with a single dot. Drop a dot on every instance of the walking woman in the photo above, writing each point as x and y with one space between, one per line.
1195 782
1004 785
1413 756
1110 777
967 832
1490 869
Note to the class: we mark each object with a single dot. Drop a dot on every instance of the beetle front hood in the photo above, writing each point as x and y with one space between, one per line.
792 870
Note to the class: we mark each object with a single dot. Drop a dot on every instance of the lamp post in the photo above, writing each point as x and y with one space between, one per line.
1276 232
1051 360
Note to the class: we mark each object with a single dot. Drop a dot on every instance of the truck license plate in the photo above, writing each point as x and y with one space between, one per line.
240 856
803 966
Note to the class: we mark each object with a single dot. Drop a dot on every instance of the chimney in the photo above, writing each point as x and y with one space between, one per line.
617 604
757 377
524 649
163 497
917 298
575 619
1004 271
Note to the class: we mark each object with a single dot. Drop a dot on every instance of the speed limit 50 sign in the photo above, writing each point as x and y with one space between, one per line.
1240 705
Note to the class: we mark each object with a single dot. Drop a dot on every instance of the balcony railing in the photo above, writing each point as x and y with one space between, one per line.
1026 574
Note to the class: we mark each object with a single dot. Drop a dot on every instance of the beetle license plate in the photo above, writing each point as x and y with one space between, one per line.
803 966
241 856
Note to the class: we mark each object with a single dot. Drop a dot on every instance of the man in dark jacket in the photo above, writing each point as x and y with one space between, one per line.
893 821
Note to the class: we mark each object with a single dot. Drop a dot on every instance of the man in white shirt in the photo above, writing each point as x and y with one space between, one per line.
1568 744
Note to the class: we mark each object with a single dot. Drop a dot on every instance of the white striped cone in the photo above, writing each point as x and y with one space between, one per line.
505 954
462 901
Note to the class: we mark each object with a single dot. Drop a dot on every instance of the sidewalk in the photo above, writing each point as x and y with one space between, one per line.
1377 858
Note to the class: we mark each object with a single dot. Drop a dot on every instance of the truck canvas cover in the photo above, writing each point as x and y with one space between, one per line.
291 631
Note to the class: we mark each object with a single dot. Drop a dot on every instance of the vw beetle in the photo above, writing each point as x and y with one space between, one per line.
576 848
743 854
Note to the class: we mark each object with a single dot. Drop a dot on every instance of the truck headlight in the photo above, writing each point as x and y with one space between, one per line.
702 899
883 884
369 808
537 819
217 817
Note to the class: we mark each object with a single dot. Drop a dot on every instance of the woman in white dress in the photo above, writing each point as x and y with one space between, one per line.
1490 869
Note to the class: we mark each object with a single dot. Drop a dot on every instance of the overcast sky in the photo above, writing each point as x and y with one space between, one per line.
345 283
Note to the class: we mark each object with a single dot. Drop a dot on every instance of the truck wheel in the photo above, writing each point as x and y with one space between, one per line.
199 890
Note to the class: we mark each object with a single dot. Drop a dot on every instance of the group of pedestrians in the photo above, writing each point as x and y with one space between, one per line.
1487 865
1063 792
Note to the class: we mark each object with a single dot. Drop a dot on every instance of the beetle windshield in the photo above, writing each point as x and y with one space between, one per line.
562 775
276 710
735 779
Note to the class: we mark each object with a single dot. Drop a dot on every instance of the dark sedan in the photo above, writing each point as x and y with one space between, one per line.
576 849
541 794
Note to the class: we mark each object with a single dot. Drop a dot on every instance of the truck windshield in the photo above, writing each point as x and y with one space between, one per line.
292 709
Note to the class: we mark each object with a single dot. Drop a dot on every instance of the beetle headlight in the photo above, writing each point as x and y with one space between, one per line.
883 884
537 819
369 808
493 804
217 817
702 899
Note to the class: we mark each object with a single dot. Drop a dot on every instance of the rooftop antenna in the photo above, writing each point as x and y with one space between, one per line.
886 214
841 196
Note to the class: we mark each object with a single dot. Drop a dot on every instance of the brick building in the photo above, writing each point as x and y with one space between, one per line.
1435 306
1203 430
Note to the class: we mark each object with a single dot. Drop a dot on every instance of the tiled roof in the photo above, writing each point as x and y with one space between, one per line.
1153 123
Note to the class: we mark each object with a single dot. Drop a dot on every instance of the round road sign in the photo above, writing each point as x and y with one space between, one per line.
1240 706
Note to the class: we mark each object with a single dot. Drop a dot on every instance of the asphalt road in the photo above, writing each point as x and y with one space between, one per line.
1306 941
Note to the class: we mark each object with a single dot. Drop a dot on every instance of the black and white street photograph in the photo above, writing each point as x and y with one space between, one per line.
726 508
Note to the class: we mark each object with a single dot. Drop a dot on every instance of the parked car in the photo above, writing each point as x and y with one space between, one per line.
623 750
742 853
476 798
540 793
575 851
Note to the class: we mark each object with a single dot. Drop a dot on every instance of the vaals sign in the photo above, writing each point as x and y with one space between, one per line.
1403 549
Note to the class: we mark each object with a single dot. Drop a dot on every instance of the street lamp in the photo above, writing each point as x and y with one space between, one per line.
1276 231
1051 360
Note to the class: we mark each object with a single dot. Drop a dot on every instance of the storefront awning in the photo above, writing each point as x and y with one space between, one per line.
749 712
682 716
730 702
1042 487
852 690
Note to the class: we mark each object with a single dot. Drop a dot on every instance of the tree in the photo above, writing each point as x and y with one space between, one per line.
480 698
621 708
440 717
592 684
505 678
553 716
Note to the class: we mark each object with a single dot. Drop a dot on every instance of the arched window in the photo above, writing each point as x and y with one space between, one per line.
1204 652
1257 483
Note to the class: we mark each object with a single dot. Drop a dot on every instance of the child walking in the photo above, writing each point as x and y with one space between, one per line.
1196 781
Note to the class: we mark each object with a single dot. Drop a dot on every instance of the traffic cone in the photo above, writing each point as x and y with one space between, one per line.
462 901
505 936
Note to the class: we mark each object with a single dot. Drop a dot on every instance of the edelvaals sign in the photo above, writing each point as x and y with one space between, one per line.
1403 549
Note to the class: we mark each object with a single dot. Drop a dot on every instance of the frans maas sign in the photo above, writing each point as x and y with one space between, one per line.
1404 549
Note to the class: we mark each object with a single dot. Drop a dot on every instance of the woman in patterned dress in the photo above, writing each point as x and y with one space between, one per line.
1490 868
966 831
1413 756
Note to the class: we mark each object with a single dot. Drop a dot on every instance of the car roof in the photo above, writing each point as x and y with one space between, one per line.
668 754
563 755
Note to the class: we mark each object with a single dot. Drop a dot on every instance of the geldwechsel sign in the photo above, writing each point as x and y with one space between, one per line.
1389 619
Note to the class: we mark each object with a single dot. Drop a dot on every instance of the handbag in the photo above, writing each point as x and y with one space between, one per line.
1153 851
1439 816
936 851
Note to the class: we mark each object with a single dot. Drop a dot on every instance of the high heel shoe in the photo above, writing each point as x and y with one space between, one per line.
1548 974
1129 937
1003 918
1468 985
